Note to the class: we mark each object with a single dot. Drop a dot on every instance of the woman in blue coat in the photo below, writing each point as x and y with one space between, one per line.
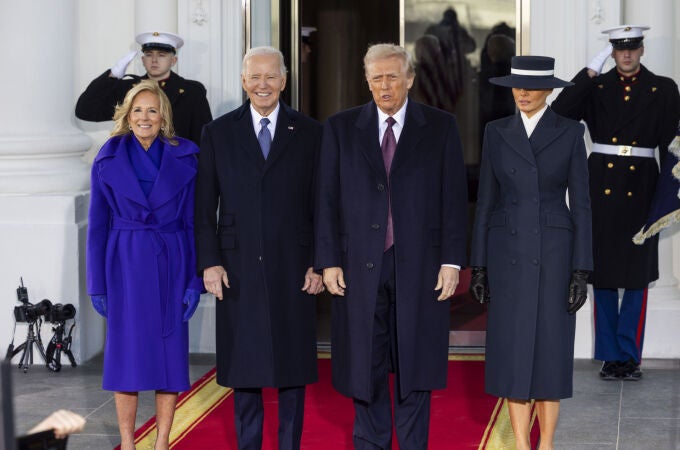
531 251
140 257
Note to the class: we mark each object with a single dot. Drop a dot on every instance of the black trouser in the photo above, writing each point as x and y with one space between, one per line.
373 420
249 417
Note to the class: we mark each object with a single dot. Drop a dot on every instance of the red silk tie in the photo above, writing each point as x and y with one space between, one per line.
388 147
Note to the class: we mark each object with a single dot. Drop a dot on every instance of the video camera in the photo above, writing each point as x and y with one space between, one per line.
28 312
32 314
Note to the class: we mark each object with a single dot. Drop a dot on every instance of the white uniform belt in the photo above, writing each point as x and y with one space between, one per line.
623 150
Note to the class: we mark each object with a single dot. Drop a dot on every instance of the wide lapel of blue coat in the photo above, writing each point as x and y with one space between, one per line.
516 137
367 138
174 173
411 133
546 131
285 130
247 139
116 170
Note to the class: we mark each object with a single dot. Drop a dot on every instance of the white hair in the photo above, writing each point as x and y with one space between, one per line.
264 50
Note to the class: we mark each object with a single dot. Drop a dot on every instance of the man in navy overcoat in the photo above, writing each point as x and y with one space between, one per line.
257 165
390 229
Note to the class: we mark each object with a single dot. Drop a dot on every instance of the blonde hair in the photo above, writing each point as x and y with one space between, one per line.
120 117
383 51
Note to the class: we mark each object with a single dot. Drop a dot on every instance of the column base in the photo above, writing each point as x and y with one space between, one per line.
43 240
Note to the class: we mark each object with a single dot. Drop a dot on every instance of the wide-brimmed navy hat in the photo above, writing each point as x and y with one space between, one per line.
531 72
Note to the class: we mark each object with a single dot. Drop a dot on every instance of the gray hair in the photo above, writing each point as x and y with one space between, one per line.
264 50
383 51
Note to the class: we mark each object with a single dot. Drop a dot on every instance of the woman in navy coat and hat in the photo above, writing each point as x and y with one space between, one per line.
531 251
140 256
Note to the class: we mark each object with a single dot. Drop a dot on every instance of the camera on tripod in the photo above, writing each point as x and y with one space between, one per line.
32 314
28 312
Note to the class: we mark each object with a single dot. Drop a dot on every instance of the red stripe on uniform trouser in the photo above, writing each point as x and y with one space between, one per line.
641 325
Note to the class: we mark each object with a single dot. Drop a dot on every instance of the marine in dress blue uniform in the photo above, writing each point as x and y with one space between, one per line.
190 109
629 112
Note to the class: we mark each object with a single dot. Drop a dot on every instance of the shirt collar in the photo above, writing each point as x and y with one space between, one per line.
273 116
531 122
399 116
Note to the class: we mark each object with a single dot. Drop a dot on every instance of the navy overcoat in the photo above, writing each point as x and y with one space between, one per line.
531 242
140 254
429 199
266 334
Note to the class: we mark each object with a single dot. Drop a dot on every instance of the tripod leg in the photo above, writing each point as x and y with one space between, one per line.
17 350
41 350
71 357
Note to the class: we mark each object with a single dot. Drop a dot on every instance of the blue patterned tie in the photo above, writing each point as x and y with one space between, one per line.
264 137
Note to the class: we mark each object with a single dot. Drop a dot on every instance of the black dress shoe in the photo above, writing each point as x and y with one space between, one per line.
610 370
630 371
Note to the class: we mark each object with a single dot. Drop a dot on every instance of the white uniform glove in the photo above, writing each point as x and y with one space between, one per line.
598 61
118 69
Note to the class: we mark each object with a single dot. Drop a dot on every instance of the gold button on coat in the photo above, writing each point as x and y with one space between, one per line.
634 142
614 140
627 88
626 98
630 194
607 191
632 168
610 165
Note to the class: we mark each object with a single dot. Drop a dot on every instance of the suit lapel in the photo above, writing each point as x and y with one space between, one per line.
516 137
367 138
248 142
285 130
117 173
411 134
546 131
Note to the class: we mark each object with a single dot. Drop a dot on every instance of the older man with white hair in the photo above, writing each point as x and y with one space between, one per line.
256 170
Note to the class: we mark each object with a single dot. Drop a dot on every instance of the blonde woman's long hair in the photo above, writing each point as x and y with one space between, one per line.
120 117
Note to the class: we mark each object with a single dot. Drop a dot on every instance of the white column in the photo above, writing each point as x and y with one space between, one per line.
155 15
571 33
43 182
661 57
40 149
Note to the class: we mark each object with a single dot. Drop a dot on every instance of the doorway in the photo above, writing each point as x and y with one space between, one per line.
457 46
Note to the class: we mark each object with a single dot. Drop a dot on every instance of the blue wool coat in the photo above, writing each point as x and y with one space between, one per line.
428 191
140 254
531 242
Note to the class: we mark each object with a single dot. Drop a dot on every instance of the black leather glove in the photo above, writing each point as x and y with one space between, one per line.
479 285
578 290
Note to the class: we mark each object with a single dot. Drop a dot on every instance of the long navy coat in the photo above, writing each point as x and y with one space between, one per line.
140 254
266 334
531 242
429 201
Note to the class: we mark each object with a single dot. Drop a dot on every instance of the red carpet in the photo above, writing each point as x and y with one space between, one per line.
462 416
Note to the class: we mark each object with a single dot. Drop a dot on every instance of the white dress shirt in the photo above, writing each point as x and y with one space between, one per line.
531 122
272 120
